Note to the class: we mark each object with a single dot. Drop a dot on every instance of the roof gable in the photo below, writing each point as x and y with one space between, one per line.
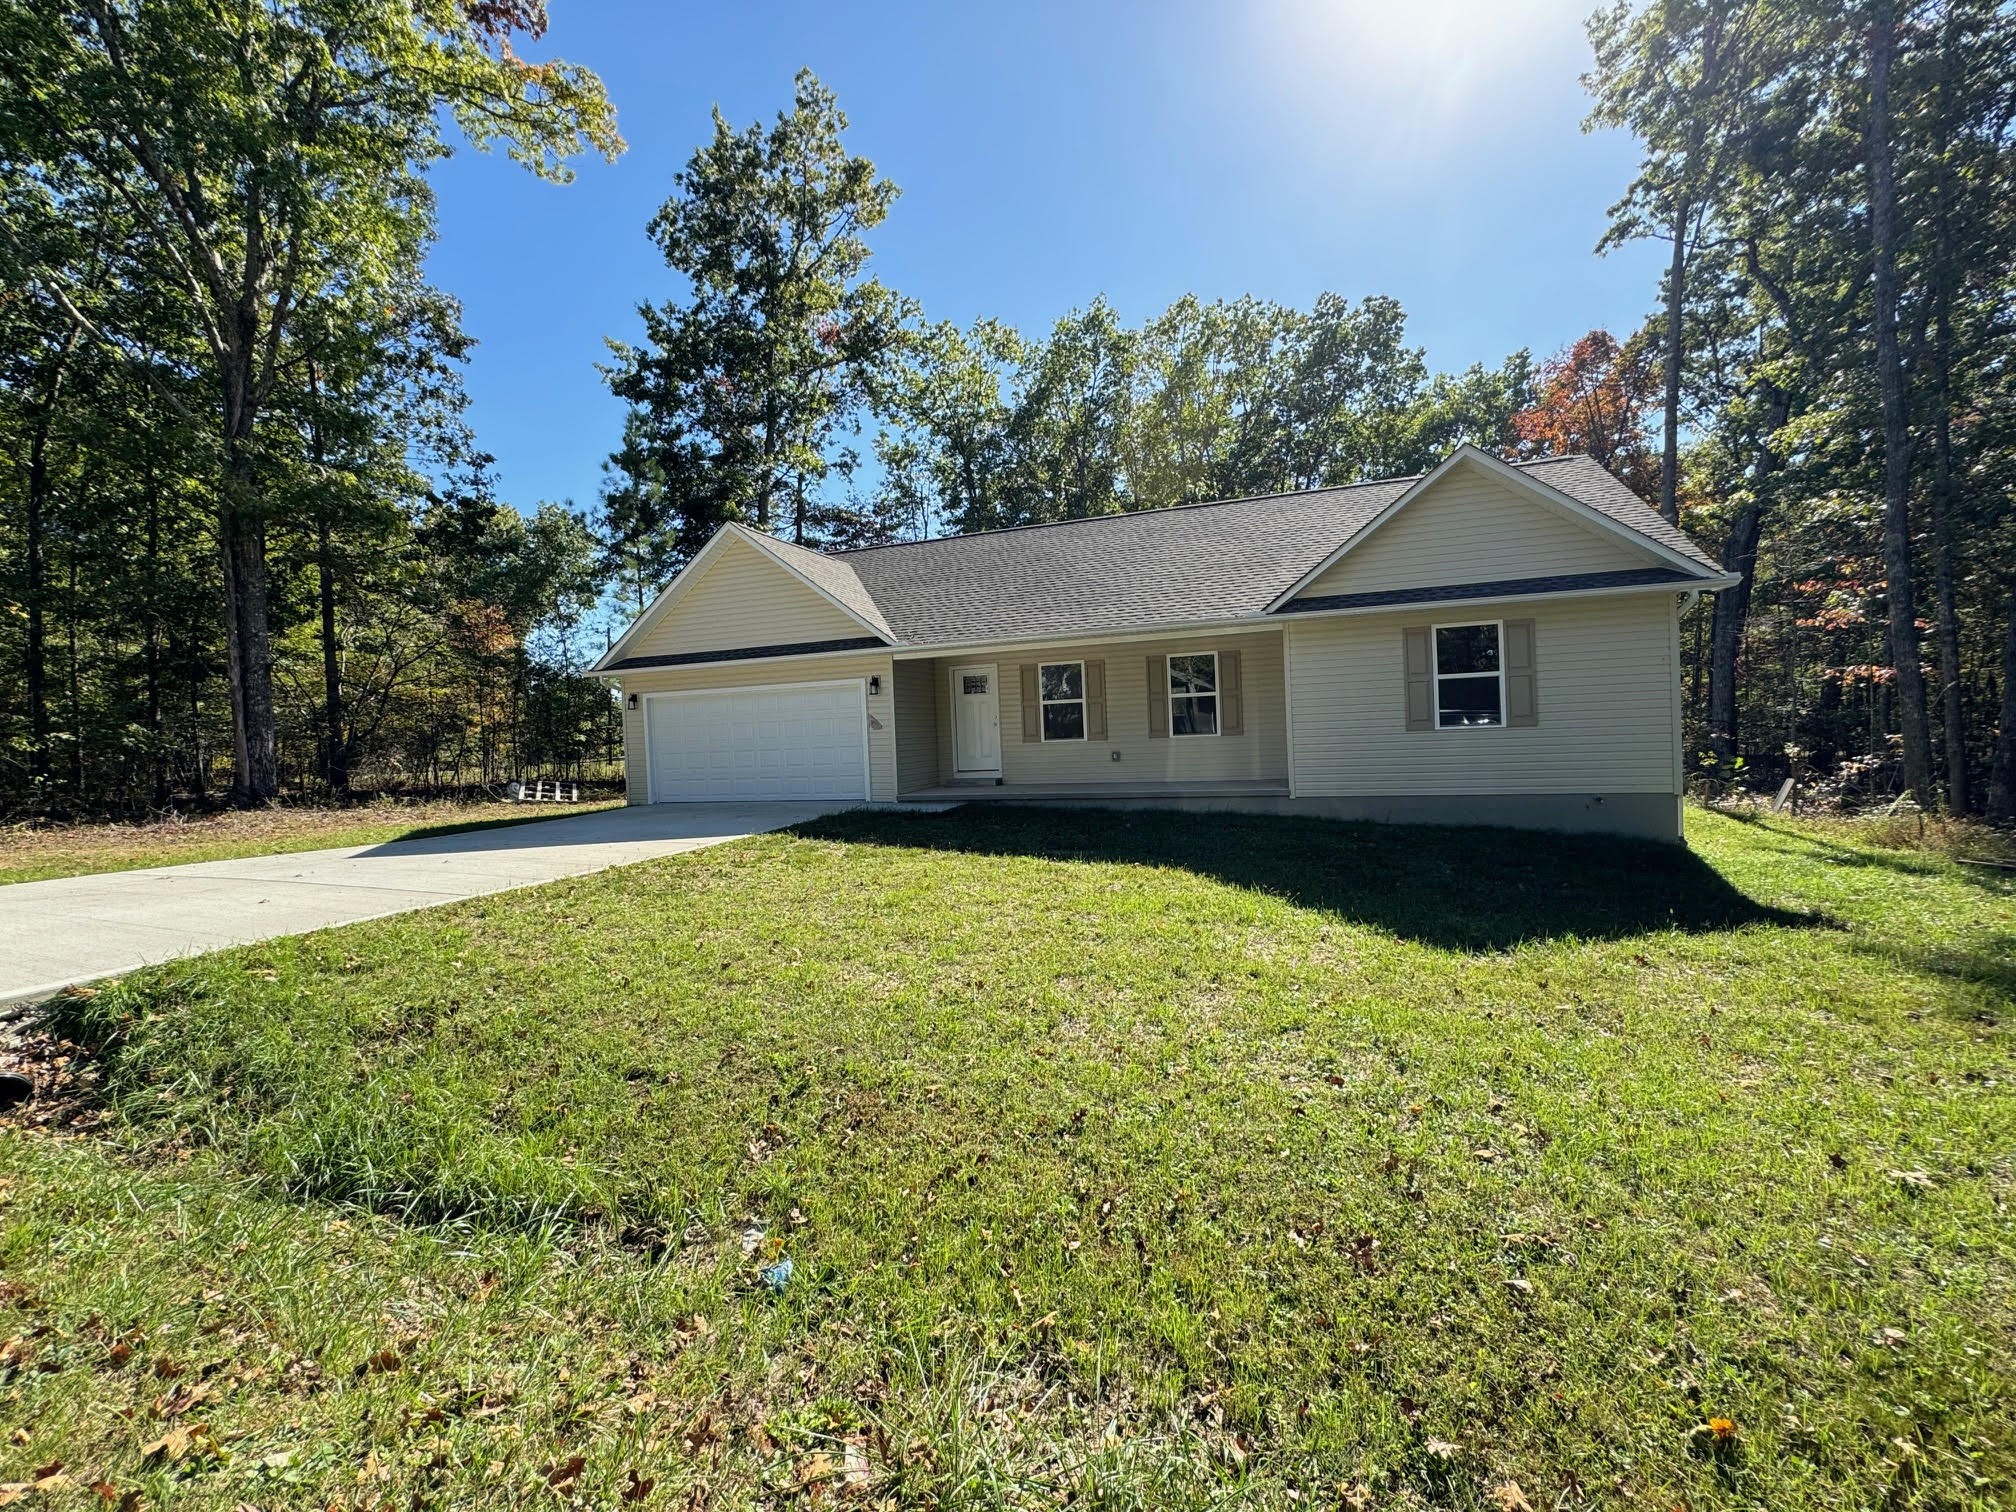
1596 527
744 590
1467 527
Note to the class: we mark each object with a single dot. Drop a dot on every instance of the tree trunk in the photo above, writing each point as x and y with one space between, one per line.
1951 708
1732 605
1903 612
1676 301
35 587
242 546
156 737
335 745
1725 640
2002 772
336 755
34 593
73 613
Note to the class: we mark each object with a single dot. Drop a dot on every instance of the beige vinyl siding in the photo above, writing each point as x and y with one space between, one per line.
1471 528
744 598
797 669
1606 678
916 725
1260 754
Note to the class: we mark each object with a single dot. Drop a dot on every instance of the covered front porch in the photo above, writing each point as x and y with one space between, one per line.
1052 792
1196 716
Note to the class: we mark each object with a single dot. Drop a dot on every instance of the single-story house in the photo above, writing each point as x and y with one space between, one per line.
1489 643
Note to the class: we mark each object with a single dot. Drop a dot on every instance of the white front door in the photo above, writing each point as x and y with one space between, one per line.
976 722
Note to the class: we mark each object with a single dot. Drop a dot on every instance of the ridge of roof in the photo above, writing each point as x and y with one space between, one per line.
1163 509
1136 514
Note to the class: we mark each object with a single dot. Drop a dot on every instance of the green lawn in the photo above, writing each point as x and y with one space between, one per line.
33 853
1121 1161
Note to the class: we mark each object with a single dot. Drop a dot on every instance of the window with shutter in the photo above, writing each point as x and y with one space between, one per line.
1469 676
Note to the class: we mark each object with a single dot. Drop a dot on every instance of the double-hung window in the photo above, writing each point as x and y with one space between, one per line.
1061 688
1469 676
1193 694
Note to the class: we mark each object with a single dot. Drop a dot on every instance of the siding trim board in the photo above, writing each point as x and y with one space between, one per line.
739 653
1580 582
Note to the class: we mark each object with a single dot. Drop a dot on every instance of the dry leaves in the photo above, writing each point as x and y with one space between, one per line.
1509 1498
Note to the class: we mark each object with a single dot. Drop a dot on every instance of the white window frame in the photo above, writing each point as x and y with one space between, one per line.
1042 703
1435 665
1216 695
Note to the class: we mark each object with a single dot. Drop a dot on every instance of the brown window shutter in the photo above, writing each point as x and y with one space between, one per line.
1032 705
1095 700
1522 681
1158 698
1418 643
1231 700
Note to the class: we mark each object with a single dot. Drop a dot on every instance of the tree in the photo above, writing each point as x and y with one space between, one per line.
1593 398
1845 349
1883 237
269 158
1669 74
743 392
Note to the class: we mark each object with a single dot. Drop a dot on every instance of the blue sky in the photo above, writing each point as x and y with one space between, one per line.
1050 152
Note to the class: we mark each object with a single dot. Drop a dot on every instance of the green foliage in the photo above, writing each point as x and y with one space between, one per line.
1759 130
741 392
1205 401
229 386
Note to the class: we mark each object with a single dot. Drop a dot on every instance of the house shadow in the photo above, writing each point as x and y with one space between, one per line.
1462 889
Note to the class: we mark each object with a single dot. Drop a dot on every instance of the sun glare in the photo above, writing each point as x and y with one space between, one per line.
1410 67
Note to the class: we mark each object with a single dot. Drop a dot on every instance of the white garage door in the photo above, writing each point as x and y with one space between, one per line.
796 741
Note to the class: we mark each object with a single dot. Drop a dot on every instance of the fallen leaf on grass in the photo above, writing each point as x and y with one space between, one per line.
639 1487
1509 1498
1915 1180
566 1472
176 1442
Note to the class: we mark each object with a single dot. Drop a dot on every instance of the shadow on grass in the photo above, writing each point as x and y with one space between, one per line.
1794 840
1989 964
1455 889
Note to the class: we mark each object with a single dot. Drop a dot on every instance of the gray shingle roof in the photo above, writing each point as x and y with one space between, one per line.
1587 481
1192 563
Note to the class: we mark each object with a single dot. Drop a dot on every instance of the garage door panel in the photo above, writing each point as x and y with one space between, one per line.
792 741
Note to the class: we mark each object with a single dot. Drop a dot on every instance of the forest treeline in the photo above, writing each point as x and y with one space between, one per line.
250 545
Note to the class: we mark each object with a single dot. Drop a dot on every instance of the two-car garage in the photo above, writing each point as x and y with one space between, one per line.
795 740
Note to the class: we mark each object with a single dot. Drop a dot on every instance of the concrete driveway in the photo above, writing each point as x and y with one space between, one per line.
75 929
